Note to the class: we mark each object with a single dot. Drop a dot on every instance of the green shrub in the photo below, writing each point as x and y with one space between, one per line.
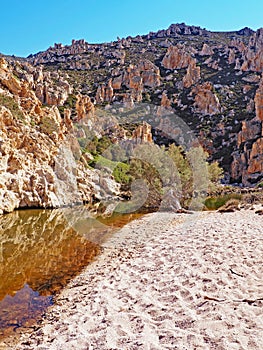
121 173
214 203
71 101
103 143
12 105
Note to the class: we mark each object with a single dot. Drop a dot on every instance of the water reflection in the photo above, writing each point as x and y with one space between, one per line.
40 251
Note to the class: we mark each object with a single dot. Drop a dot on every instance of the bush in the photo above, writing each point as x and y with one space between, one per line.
214 203
121 173
12 105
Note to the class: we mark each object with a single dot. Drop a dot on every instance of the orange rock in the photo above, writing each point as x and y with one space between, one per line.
150 79
176 57
231 57
136 82
8 80
253 54
206 101
192 74
206 50
259 101
142 134
100 94
84 107
250 130
165 102
117 82
255 162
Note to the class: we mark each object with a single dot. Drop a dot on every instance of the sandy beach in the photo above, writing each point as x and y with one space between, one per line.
165 281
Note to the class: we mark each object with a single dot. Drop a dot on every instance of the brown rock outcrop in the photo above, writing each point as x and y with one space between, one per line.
238 44
58 50
165 102
22 77
105 93
8 80
50 93
206 102
128 101
178 29
214 64
255 162
176 57
248 164
84 107
231 57
259 101
150 73
142 134
136 77
117 82
206 50
100 94
165 107
253 54
135 82
251 130
192 74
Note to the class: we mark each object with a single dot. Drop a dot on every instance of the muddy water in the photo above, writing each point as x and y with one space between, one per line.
40 251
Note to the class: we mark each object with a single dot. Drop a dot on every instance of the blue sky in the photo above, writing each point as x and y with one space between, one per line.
32 26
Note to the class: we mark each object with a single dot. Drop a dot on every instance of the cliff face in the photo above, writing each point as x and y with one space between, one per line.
249 161
40 158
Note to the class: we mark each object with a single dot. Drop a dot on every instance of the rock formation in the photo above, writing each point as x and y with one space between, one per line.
249 163
259 101
192 74
176 57
84 107
37 167
105 93
142 134
150 73
206 101
253 54
231 57
206 50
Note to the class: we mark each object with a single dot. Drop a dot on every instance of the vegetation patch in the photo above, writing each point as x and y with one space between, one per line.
11 104
214 203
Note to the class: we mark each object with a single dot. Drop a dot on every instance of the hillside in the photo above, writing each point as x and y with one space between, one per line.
211 80
70 101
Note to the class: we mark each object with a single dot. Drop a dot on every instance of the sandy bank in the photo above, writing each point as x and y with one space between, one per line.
166 281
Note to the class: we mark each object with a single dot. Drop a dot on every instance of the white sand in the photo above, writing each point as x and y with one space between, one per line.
166 281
